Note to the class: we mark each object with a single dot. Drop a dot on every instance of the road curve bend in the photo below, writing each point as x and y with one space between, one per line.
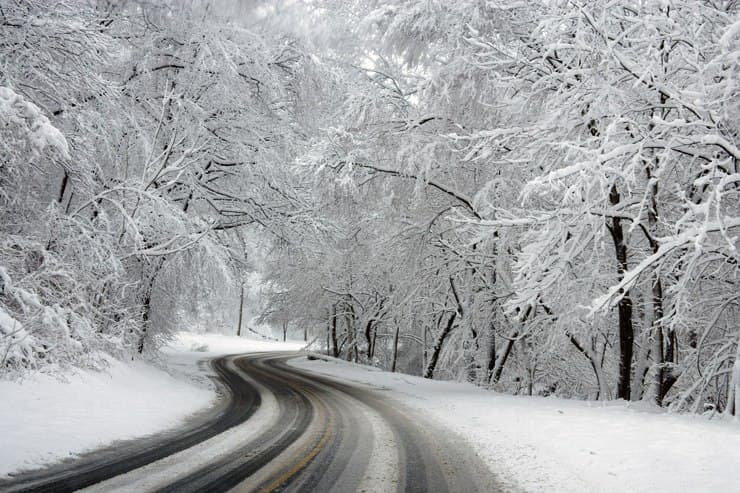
281 429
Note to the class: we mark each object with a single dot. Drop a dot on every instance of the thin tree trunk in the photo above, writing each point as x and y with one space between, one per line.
369 338
328 331
733 391
501 361
375 337
63 187
437 347
349 318
333 331
442 336
640 384
394 356
146 302
241 311
604 393
491 356
423 347
473 348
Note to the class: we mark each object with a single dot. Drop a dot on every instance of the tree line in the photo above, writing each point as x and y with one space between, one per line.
537 197
540 198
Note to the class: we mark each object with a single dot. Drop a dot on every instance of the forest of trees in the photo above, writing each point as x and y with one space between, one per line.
538 197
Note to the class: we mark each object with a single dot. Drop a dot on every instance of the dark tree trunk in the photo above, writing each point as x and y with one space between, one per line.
665 346
375 337
501 360
499 366
437 348
626 330
63 187
241 312
371 331
394 356
442 336
473 348
349 318
146 301
369 339
491 357
333 332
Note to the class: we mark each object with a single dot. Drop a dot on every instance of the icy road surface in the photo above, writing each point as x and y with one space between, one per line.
282 429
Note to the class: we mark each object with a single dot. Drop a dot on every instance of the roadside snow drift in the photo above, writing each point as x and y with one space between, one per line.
44 420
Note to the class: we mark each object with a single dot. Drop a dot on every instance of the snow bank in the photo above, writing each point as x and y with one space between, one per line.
44 420
550 444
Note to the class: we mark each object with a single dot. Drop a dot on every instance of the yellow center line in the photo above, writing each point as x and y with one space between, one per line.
287 475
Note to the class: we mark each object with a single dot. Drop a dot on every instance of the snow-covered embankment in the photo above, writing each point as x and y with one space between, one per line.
44 420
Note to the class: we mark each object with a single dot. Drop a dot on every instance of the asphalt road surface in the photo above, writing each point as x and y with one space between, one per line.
279 428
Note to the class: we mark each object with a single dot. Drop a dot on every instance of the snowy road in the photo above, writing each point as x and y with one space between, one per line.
282 429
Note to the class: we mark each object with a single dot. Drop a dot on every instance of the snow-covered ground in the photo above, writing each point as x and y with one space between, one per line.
44 420
551 444
216 345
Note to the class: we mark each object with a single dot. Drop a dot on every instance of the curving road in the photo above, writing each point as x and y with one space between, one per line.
280 429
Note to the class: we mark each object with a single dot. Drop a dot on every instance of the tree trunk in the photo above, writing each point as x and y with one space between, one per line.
370 331
604 393
375 337
626 330
641 386
733 391
241 311
146 301
442 336
369 339
473 348
423 348
333 331
491 356
437 348
501 361
349 318
394 356
328 331
63 187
